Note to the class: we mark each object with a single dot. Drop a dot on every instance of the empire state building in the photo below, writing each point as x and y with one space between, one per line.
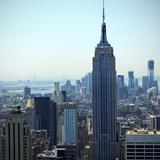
104 99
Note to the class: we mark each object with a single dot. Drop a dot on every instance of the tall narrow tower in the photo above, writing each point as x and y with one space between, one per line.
15 137
70 126
104 99
151 72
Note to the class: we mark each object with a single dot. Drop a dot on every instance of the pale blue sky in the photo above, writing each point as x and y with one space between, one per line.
56 38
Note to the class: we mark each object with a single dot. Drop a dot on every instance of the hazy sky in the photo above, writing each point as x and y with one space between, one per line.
57 38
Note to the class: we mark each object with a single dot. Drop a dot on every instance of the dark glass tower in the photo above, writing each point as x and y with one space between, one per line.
46 110
151 72
104 99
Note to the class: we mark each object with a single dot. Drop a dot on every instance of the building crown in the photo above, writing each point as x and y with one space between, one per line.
103 42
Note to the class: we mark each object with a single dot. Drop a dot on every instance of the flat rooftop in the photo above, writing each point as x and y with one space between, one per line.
143 136
142 132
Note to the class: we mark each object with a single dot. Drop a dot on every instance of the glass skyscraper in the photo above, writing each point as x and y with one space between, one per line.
145 82
46 111
70 124
151 72
131 83
104 99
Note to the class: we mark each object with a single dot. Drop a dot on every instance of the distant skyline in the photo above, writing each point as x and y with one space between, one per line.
47 39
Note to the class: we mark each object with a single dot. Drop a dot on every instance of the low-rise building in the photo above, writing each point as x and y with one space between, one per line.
142 144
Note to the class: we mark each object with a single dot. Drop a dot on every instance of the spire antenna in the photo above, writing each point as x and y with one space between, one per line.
103 12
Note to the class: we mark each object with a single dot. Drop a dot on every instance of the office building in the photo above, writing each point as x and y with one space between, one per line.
87 82
131 81
64 96
46 110
15 137
55 154
70 152
68 87
154 123
155 84
136 83
70 123
145 82
31 118
151 72
104 99
60 128
142 144
122 92
27 92
42 105
120 81
53 124
57 87
78 87
121 89
61 152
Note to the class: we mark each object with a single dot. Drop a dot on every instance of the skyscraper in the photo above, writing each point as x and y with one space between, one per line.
70 124
53 123
31 115
104 99
57 87
78 87
151 72
131 83
46 110
120 81
15 137
64 96
145 82
42 110
27 92
87 82
121 88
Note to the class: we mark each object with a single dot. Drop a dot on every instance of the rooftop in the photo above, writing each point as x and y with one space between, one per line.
17 110
143 136
142 132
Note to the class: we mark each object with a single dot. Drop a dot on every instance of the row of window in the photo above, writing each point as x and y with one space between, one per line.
140 158
145 143
143 146
147 154
143 150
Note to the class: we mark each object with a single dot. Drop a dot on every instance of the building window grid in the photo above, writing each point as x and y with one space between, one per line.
148 150
70 128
